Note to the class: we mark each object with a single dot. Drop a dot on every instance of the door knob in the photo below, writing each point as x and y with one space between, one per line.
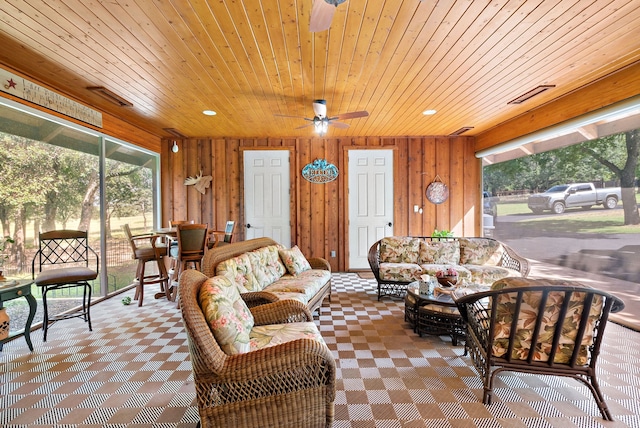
248 226
389 224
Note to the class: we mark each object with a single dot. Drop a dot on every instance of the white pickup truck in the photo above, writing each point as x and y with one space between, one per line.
583 195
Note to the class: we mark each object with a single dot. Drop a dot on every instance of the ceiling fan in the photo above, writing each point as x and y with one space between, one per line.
321 122
322 13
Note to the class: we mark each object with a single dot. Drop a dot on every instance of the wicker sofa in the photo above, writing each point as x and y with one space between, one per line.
262 270
265 366
396 261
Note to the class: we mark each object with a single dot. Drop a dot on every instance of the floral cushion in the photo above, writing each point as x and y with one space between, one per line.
405 272
489 274
439 252
442 309
294 260
266 265
308 283
239 270
529 312
464 275
399 249
292 295
226 313
270 335
480 252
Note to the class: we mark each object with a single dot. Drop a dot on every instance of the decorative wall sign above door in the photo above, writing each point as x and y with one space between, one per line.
320 171
437 192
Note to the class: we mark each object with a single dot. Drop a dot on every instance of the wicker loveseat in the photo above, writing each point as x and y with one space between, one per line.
533 326
397 261
261 367
266 272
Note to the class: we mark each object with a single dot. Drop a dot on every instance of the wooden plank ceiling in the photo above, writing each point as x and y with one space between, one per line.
252 59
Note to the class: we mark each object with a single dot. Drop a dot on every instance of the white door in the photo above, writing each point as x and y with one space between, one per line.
370 202
266 195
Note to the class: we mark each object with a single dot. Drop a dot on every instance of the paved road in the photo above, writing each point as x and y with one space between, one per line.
616 255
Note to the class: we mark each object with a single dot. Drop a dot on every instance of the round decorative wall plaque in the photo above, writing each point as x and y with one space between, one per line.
437 192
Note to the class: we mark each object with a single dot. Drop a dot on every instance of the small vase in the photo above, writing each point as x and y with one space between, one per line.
4 324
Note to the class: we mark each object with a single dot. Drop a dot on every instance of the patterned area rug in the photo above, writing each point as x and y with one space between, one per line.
134 370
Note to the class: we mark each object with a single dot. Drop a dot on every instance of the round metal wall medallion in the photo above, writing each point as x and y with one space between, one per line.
437 192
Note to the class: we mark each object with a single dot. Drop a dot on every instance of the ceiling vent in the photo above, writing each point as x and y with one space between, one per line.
532 93
110 96
175 132
462 130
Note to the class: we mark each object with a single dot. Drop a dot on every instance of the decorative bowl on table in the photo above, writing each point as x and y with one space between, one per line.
448 280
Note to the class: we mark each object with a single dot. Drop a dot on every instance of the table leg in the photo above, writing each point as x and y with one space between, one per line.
33 304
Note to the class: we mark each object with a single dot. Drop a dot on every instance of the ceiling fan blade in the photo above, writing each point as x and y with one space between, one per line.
304 126
340 125
321 15
295 117
352 115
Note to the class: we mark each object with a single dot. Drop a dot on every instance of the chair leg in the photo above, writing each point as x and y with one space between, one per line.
140 287
86 304
163 277
45 321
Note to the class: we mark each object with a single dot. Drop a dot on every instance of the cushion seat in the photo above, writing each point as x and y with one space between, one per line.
432 268
149 252
405 272
282 295
264 336
308 283
67 274
486 274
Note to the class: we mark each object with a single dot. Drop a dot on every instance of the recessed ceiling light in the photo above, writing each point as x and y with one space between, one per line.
209 112
429 112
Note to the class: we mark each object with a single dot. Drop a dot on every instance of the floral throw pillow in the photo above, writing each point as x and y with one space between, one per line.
227 314
399 249
294 260
440 252
480 252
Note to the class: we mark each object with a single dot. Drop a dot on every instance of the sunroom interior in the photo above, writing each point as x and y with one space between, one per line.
447 86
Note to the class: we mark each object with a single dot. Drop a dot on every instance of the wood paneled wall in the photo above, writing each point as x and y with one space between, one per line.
319 211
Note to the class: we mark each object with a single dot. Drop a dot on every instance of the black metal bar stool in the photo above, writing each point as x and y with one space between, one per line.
62 262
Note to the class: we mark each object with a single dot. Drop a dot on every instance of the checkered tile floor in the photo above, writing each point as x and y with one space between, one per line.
134 370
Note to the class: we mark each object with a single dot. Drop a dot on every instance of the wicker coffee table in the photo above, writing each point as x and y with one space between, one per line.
433 314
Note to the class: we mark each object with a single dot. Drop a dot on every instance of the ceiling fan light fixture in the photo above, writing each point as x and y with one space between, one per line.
530 94
321 125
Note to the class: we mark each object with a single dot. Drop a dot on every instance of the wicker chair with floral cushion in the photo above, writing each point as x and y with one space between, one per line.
266 366
533 326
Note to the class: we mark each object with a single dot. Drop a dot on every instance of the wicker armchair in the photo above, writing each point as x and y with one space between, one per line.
290 384
519 313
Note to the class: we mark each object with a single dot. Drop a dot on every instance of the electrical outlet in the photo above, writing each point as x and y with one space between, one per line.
333 253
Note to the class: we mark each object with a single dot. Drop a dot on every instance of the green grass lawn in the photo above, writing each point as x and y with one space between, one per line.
595 220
